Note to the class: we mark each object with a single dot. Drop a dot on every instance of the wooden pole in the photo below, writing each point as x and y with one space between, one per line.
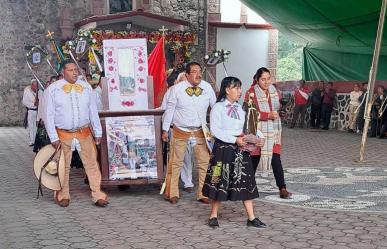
371 80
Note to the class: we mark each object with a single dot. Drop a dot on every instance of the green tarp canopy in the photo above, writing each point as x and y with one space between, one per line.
340 35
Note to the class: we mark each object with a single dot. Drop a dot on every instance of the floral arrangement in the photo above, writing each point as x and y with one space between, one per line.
177 42
94 38
216 56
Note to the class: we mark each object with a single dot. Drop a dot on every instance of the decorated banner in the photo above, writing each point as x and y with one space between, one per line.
131 147
126 70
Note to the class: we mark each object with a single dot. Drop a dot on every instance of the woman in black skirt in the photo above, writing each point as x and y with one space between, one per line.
230 175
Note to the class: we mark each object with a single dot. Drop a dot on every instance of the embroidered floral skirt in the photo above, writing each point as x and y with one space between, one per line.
230 175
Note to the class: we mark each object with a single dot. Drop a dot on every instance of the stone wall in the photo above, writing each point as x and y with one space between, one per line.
194 11
24 23
339 117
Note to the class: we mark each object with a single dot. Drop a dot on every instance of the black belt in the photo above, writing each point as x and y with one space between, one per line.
32 109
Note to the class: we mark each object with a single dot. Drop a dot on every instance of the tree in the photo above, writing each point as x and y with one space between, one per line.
289 65
288 69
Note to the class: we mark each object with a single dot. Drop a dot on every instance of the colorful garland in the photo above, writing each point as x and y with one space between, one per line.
94 38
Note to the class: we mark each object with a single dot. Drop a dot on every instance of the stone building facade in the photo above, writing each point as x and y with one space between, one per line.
26 22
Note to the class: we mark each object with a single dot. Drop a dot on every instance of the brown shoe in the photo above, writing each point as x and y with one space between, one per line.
204 200
284 194
173 200
188 189
101 203
63 202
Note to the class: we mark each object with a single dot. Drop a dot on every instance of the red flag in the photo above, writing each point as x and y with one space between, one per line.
156 65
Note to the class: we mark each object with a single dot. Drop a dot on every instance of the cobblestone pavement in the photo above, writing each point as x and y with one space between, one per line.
140 218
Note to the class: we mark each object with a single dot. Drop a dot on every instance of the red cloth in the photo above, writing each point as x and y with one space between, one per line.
264 116
299 99
156 64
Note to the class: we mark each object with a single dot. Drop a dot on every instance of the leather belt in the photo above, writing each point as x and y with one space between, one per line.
192 128
81 132
178 133
76 129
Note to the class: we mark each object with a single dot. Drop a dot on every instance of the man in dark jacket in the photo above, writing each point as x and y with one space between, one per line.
315 111
327 105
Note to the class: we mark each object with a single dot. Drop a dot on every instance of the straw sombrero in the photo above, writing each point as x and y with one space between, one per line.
52 175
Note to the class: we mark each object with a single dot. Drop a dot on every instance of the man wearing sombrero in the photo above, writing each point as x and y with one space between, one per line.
71 120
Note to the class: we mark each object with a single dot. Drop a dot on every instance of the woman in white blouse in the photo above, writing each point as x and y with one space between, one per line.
353 106
230 175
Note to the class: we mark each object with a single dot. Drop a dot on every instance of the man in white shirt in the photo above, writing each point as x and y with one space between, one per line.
186 109
30 101
70 113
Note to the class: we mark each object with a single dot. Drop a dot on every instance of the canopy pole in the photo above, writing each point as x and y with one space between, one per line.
371 79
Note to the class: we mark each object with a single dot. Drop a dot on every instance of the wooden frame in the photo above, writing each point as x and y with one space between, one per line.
104 163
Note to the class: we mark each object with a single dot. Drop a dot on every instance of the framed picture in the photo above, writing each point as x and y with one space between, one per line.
81 47
126 72
36 57
131 147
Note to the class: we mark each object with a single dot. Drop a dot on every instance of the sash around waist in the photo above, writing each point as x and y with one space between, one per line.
178 133
81 132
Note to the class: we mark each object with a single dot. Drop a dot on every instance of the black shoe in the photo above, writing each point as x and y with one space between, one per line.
256 223
213 222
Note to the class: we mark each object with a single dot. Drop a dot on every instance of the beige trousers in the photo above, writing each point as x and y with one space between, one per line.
88 156
352 117
176 160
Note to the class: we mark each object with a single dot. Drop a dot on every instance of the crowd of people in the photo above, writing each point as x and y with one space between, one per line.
322 100
247 136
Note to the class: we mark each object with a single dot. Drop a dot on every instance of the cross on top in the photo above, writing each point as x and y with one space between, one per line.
163 29
49 34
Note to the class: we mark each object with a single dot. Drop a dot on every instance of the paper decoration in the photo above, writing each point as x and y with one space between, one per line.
126 69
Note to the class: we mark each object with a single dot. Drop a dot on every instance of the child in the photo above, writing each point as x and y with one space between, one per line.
230 175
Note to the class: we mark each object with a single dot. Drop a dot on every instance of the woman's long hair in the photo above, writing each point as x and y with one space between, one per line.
227 82
259 73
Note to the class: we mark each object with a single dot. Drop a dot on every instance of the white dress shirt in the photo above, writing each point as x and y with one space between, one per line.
354 98
29 98
70 110
163 105
40 106
98 97
224 127
186 111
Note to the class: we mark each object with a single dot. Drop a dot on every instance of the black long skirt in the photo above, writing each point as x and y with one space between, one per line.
230 175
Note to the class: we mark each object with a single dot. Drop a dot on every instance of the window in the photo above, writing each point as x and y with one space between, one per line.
116 6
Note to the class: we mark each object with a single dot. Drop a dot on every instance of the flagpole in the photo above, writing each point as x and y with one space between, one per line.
163 30
372 78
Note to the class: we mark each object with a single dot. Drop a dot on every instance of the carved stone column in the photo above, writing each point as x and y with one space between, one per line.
145 4
273 53
214 15
65 24
213 10
243 18
98 7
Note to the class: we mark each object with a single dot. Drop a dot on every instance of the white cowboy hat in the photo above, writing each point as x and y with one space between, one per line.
52 175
